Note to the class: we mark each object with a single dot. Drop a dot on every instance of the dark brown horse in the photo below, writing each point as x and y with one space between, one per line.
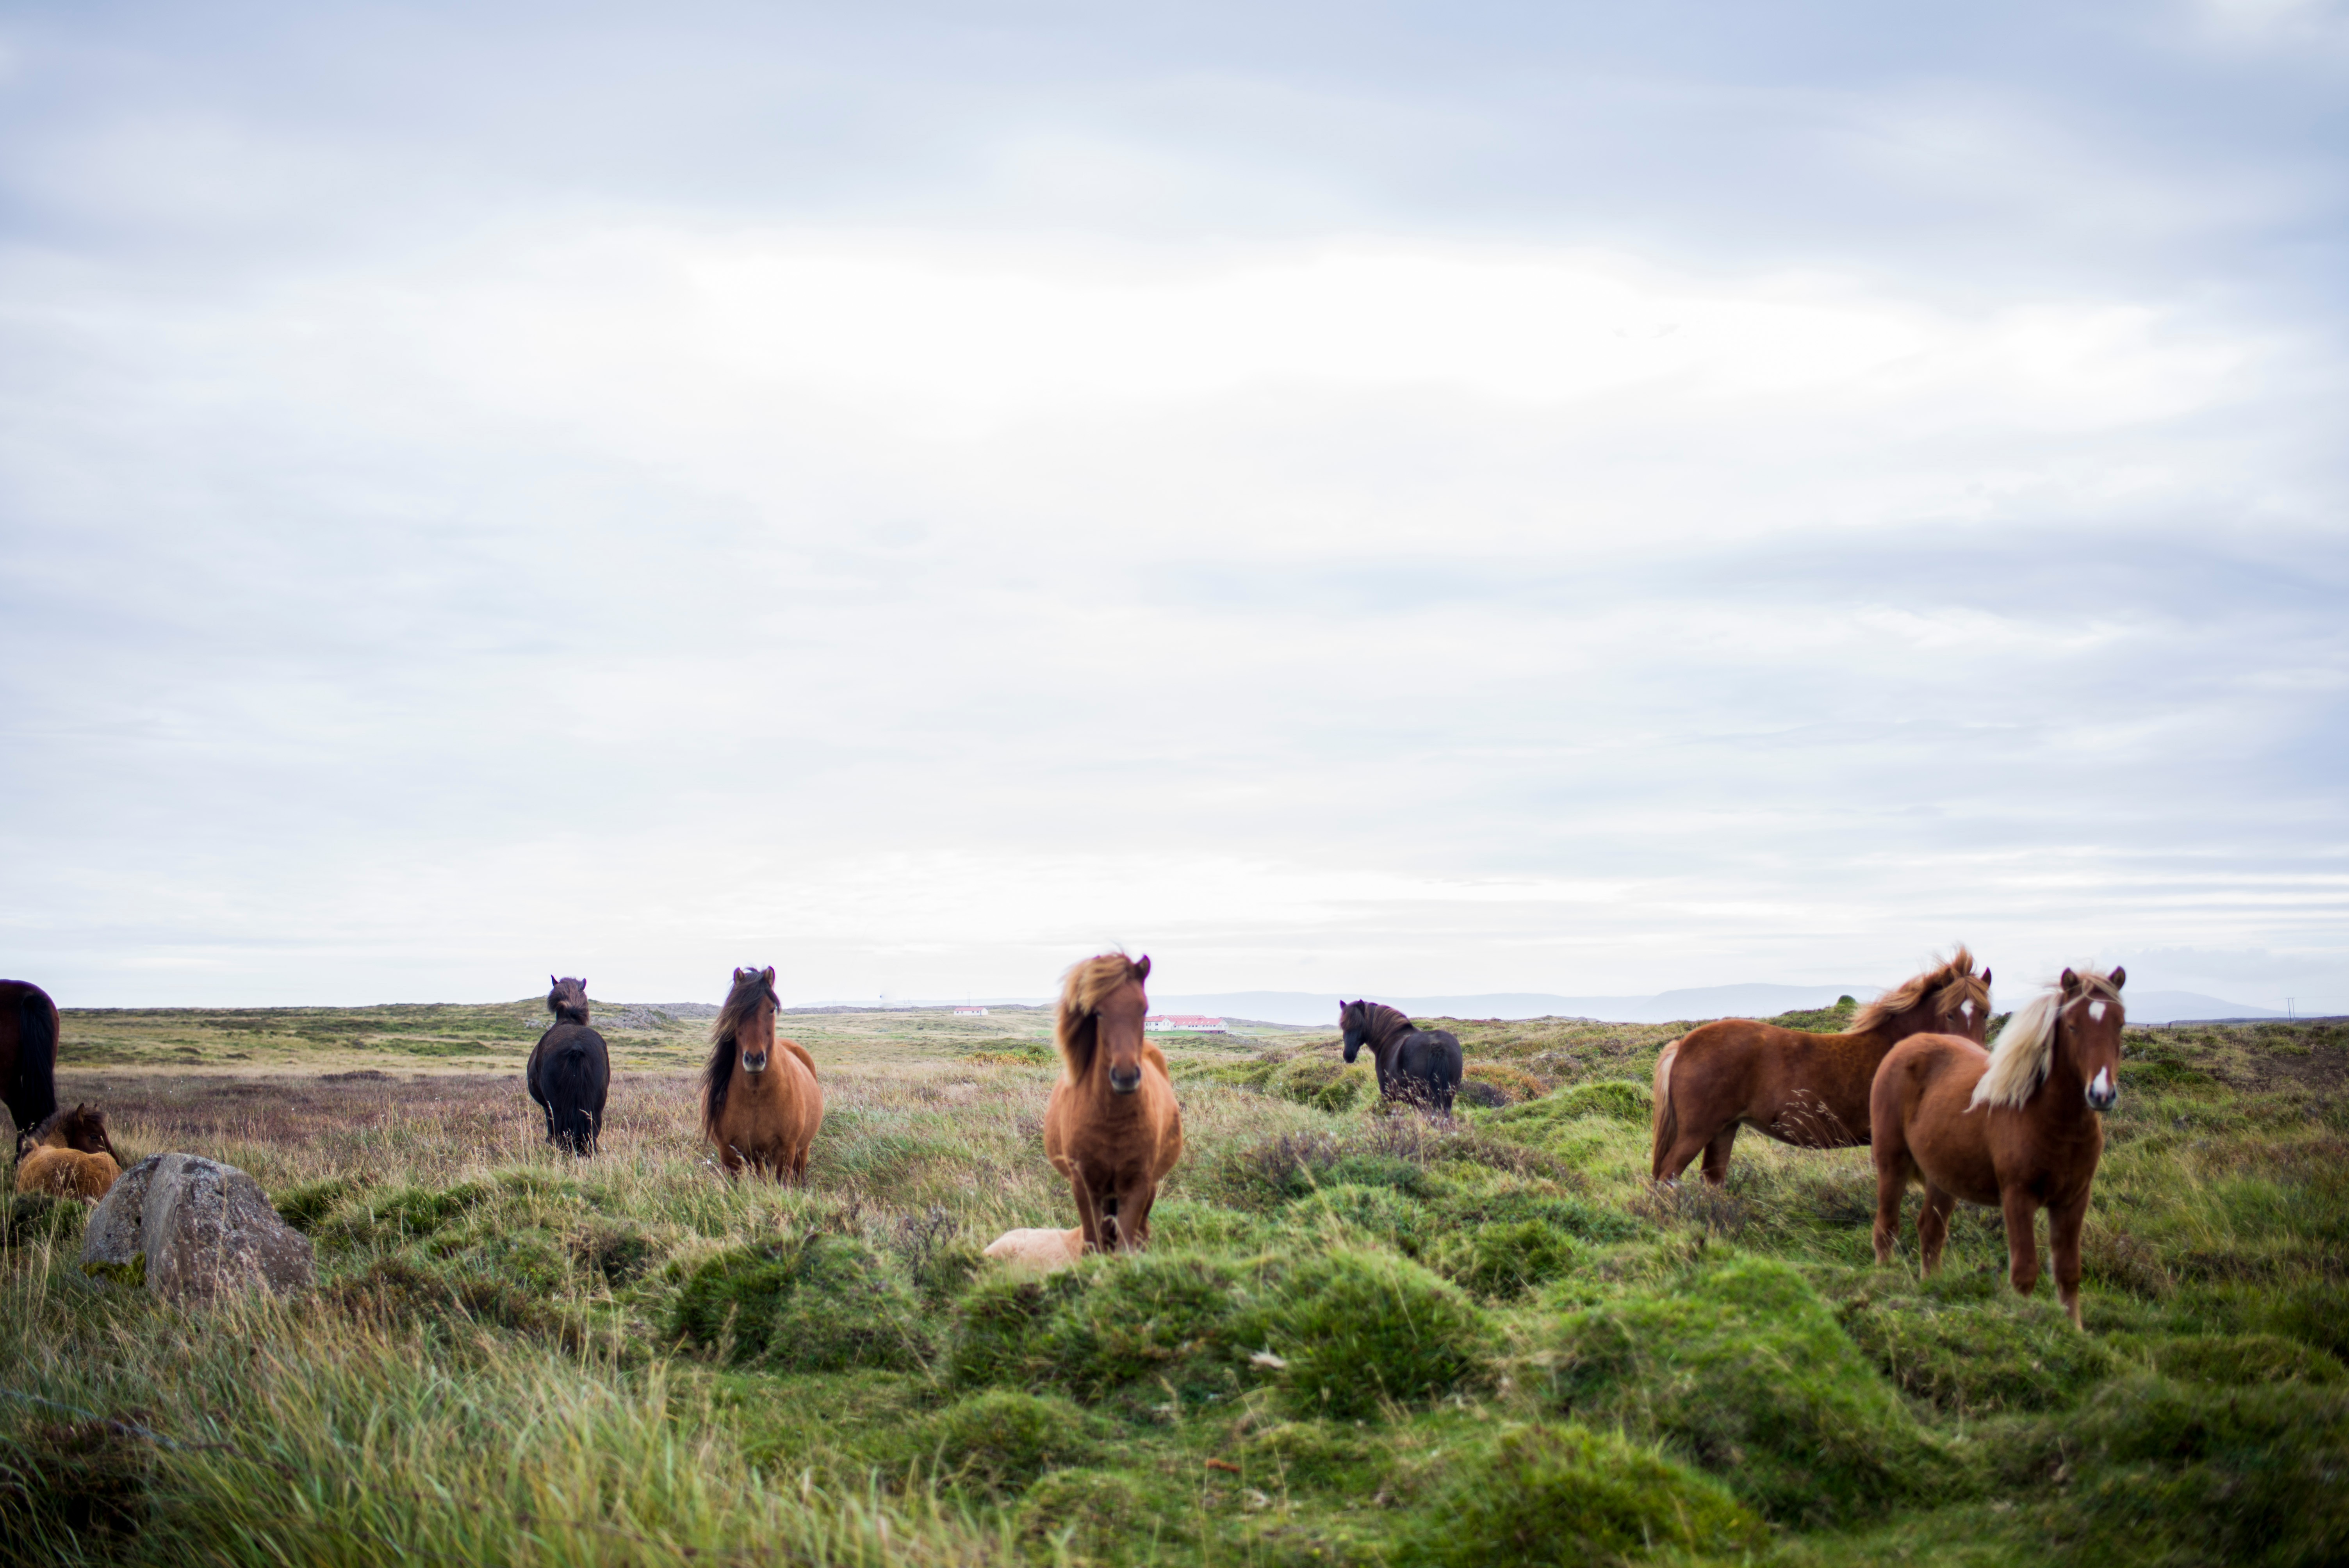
1419 1066
2021 1125
760 1104
1799 1087
67 1154
29 1053
1112 1127
569 1073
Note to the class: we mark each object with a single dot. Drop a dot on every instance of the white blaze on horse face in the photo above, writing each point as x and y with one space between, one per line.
1967 1009
2097 1011
2101 1093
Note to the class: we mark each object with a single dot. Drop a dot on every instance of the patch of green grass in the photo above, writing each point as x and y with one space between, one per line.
1971 1346
1358 1327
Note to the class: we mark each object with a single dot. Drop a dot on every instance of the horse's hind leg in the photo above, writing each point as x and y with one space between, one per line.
1716 1156
1893 1167
1933 1226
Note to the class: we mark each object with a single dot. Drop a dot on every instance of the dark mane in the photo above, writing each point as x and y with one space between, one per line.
752 987
80 1128
568 1001
1381 1023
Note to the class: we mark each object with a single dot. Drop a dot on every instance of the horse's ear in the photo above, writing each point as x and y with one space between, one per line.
1985 974
2070 982
553 980
740 975
1142 969
2120 976
767 975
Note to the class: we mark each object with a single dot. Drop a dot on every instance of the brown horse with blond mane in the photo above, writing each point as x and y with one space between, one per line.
760 1104
68 1155
2021 1125
1112 1127
1799 1087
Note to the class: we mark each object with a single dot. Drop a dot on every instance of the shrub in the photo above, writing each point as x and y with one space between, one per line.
1748 1371
1616 1097
1564 1494
35 1216
1998 1352
1505 1258
1355 1326
306 1206
1513 1085
1323 1084
998 1441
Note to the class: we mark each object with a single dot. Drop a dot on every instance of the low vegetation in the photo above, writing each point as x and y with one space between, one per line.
1360 1338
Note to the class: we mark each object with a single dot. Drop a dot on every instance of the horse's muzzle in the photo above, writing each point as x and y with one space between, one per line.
754 1064
1124 1080
2102 1092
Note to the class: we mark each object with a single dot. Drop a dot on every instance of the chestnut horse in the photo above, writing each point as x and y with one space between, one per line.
1802 1088
68 1155
2021 1125
29 1053
570 1070
759 1101
1112 1127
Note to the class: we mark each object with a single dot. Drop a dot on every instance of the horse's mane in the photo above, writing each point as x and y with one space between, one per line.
2025 1049
567 1000
59 1127
1381 1023
752 987
1942 987
1086 985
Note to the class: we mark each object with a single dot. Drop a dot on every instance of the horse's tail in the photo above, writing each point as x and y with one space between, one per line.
32 1087
1668 1121
574 1111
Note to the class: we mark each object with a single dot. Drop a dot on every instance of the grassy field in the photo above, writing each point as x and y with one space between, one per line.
1359 1338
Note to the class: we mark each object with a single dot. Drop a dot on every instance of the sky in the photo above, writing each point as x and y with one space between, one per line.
1390 498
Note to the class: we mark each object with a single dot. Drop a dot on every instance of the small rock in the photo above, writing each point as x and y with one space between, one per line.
201 1229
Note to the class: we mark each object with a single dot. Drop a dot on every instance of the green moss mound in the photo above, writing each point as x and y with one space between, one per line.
1565 1494
1748 1372
1089 1515
998 1441
1320 1454
819 1305
1380 1215
1981 1351
305 1207
1505 1258
1355 1327
1325 1085
1613 1099
2244 1359
2180 1473
1159 1319
27 1217
395 1215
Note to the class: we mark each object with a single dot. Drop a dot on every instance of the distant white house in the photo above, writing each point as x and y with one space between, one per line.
1183 1024
971 1011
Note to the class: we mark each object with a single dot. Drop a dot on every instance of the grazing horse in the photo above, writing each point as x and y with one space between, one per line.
1112 1127
1419 1066
570 1071
29 1053
1802 1088
2021 1125
759 1101
68 1155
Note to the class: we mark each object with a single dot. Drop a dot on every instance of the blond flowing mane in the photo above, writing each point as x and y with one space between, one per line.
1088 984
2025 1049
1945 988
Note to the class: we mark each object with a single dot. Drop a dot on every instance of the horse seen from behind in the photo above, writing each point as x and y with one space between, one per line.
29 1053
1799 1087
67 1154
1417 1066
1111 1126
570 1070
2021 1125
760 1104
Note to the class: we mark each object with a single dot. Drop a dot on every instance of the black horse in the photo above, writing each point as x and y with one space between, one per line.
570 1072
1420 1067
29 1054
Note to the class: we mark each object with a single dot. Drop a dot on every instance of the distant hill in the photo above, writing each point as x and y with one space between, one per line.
2163 1007
1312 1008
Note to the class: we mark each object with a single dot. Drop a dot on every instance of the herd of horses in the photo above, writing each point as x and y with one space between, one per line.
2017 1125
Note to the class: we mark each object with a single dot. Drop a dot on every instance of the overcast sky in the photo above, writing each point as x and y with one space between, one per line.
1368 497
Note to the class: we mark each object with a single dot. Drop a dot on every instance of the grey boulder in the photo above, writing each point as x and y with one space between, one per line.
201 1229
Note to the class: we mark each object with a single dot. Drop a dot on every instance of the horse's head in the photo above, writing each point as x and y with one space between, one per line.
1103 1004
567 1000
1947 999
2088 1032
1119 1018
83 1127
1960 1005
749 1012
1354 1023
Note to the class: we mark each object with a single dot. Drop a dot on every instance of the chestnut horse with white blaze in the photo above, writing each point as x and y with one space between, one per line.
1799 1087
2020 1126
760 1104
1112 1127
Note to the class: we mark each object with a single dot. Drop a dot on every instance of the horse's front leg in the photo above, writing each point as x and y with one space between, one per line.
1088 1218
2021 1211
2063 1241
1133 1202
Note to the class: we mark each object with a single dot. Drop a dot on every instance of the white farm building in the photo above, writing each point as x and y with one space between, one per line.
1183 1024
